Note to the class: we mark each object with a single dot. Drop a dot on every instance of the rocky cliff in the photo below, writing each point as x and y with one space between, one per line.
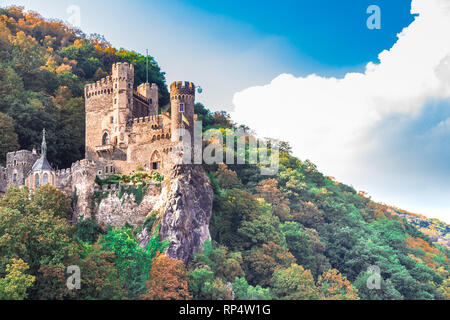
182 204
186 204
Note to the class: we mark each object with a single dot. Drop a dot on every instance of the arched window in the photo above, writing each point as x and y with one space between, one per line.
36 180
45 179
156 160
105 139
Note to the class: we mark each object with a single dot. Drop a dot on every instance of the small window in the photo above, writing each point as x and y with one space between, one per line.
129 86
155 165
36 180
181 107
129 101
45 179
115 101
105 139
106 170
151 101
15 162
112 119
15 177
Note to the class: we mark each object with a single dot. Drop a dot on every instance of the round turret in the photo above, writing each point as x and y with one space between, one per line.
182 98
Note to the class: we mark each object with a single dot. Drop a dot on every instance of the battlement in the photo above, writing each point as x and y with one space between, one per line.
63 172
101 87
122 65
82 164
180 88
153 120
123 71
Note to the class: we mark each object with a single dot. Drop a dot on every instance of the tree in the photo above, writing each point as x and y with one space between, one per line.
15 284
244 291
268 190
226 178
306 247
334 286
387 290
225 265
167 280
99 278
261 262
294 283
8 137
132 261
308 215
49 198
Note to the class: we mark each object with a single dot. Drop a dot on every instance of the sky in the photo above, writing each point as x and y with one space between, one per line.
369 106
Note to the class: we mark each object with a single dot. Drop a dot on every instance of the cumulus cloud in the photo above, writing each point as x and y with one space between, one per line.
334 122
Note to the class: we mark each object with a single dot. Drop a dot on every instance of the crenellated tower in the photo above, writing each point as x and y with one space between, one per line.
150 92
123 81
182 98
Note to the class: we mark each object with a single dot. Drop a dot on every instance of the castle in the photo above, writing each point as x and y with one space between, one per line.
124 133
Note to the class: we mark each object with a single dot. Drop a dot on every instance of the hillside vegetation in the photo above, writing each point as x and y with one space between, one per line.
295 235
44 66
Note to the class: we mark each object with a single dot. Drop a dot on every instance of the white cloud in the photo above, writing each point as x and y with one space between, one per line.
332 121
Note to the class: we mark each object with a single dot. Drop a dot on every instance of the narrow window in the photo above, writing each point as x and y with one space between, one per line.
36 180
181 107
15 177
106 170
105 139
45 180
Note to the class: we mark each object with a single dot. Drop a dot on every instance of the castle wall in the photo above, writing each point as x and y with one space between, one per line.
99 114
18 165
83 175
3 180
64 180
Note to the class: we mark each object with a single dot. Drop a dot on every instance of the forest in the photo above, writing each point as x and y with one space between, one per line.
298 235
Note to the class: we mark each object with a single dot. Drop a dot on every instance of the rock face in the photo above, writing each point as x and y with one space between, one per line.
115 212
186 204
183 203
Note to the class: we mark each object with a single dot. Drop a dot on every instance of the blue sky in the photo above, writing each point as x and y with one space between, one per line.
391 140
240 43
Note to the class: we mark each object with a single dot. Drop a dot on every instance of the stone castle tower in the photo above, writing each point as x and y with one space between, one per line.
124 133
123 128
182 99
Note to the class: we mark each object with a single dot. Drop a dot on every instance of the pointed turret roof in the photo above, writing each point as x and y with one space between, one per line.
42 163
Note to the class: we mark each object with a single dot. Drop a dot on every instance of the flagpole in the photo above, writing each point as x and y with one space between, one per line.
146 65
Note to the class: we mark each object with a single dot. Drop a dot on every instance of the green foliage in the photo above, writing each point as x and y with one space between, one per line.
294 283
136 184
132 261
15 284
203 286
8 137
88 230
244 291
